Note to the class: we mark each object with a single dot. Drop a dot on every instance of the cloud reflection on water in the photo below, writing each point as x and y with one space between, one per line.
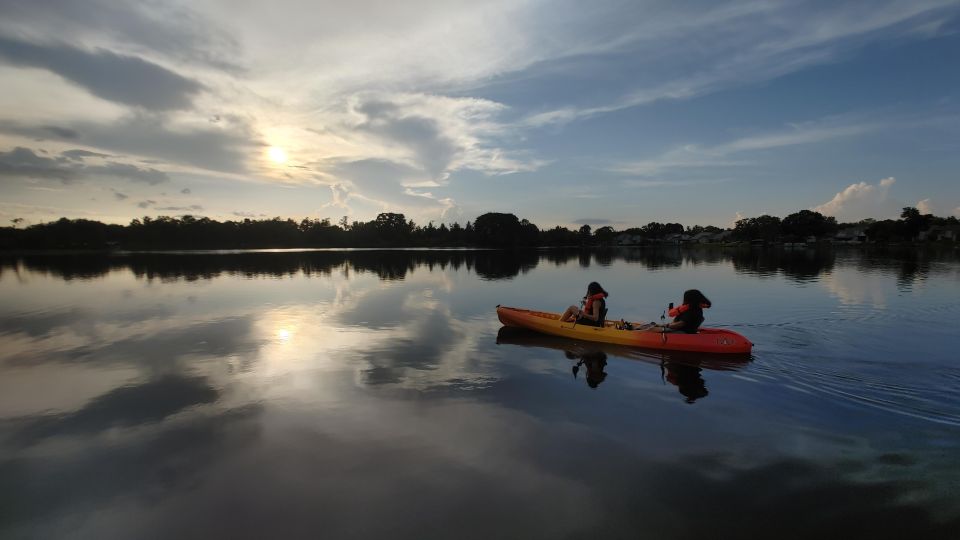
355 398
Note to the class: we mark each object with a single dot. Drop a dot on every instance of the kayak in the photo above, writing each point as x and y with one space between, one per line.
706 340
523 337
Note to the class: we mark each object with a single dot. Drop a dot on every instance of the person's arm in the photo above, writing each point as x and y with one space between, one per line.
676 325
595 316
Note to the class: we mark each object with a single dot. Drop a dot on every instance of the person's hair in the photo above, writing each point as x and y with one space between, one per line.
694 298
595 288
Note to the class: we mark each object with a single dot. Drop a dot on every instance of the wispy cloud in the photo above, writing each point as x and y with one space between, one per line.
694 156
594 221
749 43
190 208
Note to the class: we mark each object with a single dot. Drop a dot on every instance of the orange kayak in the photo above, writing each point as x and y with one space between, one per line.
707 340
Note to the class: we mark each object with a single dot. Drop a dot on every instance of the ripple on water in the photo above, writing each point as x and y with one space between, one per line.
933 397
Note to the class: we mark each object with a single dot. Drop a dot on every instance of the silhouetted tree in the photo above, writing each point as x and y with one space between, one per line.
808 223
496 229
605 235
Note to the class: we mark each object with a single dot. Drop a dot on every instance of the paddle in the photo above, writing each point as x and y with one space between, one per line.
582 302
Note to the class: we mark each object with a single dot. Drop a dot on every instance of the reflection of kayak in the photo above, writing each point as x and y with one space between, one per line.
707 340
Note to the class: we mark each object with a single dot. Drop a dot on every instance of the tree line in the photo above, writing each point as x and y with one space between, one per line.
395 230
804 224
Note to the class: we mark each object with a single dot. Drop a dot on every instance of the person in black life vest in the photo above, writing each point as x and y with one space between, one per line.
594 307
688 317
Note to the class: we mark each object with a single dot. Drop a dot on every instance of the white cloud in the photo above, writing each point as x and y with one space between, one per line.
860 201
735 219
749 43
694 156
925 206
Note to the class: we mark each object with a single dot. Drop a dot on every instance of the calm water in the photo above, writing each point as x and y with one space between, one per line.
372 394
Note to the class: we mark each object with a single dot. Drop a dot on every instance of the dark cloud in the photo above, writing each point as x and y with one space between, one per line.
221 147
39 133
122 79
60 132
120 196
192 207
147 203
80 154
130 172
25 163
185 191
155 27
434 150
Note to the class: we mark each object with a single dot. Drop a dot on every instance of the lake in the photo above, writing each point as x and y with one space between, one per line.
373 394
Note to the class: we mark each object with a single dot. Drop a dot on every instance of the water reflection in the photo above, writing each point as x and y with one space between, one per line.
799 265
594 361
682 370
145 395
796 264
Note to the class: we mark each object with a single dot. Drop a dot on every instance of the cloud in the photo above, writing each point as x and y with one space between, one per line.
434 134
78 155
737 217
250 215
925 206
694 156
192 207
147 203
859 201
397 150
223 147
164 28
594 221
749 43
122 79
60 132
185 191
25 163
119 196
38 133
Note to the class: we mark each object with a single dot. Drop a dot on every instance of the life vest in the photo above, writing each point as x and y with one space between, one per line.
674 312
590 299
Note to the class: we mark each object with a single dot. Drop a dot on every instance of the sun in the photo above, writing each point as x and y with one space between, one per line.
277 155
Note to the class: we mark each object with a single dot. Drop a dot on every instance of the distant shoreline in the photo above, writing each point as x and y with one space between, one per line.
269 250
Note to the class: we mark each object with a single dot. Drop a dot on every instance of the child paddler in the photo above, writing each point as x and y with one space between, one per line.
594 307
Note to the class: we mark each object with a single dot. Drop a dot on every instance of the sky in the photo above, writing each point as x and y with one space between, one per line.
562 112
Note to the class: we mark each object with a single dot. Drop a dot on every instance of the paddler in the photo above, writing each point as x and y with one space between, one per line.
687 317
594 307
